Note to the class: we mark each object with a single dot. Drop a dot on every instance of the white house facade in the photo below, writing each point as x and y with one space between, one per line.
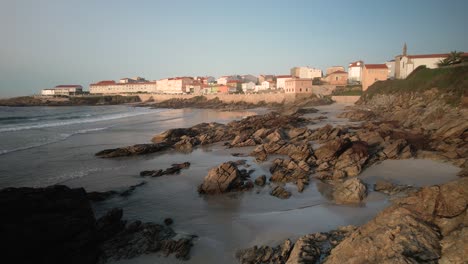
281 81
355 71
306 72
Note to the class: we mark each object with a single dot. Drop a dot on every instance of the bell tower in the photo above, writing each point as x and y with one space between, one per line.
404 49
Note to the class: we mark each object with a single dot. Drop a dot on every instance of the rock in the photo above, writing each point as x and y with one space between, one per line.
280 192
300 185
352 160
332 149
110 224
409 230
168 221
224 178
392 149
265 254
139 149
390 188
131 189
47 225
350 191
174 169
261 180
100 196
180 247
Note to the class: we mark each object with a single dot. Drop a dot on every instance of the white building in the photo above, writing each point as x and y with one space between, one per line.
406 64
355 71
249 78
63 90
391 69
306 72
112 87
175 85
248 87
280 81
223 80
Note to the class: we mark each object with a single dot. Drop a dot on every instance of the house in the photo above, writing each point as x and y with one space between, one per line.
265 85
391 69
223 80
234 84
175 85
69 89
112 87
372 73
281 79
405 64
205 79
332 69
338 78
249 78
248 87
306 72
265 77
297 85
355 71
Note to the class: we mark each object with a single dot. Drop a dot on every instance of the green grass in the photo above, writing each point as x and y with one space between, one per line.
347 92
452 83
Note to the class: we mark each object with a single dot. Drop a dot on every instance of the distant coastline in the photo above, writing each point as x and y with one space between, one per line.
25 101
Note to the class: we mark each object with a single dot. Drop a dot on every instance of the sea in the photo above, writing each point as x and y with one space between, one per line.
42 146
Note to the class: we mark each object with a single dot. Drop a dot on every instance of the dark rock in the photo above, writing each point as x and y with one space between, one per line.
47 225
390 188
139 149
260 180
110 224
131 189
100 196
174 169
168 221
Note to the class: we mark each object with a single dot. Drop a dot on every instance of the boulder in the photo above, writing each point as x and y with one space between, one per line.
139 149
332 149
47 225
174 169
224 178
280 192
261 180
350 191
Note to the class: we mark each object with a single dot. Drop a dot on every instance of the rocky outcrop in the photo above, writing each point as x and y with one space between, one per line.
260 180
350 191
101 196
57 225
280 192
174 169
47 225
225 178
139 149
423 227
392 189
312 248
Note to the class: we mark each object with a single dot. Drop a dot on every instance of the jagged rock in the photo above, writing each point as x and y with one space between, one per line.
168 221
100 196
261 180
224 178
300 185
131 189
280 192
390 188
350 191
174 169
139 149
110 224
332 149
393 149
352 160
409 230
265 254
47 225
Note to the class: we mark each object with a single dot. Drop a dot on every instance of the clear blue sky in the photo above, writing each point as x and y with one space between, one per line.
46 42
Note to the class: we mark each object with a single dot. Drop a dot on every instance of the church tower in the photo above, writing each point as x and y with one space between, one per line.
404 49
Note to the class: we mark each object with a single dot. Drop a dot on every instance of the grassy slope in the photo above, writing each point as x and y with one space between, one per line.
452 82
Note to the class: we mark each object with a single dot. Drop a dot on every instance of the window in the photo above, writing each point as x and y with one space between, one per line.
300 90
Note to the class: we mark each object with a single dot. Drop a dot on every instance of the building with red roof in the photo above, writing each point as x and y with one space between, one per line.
372 73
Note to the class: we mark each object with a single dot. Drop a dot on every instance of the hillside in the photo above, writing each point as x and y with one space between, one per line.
450 83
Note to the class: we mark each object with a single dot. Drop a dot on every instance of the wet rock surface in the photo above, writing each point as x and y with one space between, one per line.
225 178
57 225
280 192
174 169
351 191
311 248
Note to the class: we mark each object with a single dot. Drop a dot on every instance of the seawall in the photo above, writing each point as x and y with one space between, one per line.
346 99
249 98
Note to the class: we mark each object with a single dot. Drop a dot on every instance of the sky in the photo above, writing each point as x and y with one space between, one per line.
50 42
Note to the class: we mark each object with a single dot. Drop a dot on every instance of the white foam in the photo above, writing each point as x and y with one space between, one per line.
76 121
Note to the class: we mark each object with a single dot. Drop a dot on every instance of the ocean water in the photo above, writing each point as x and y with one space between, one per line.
41 146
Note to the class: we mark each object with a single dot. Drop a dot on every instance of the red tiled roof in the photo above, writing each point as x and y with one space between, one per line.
67 85
354 64
283 76
339 72
375 66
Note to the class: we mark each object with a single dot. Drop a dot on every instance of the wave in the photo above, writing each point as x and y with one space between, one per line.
74 121
63 137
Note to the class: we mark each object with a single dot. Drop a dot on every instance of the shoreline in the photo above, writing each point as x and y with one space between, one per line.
342 152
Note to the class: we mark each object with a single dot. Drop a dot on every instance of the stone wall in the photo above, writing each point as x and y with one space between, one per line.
249 98
346 99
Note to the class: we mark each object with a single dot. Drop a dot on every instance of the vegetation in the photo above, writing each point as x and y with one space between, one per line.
454 57
452 83
347 92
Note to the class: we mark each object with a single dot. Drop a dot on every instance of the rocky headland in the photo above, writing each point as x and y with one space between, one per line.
69 101
57 225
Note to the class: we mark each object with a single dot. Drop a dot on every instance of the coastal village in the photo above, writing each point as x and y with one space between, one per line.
301 80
